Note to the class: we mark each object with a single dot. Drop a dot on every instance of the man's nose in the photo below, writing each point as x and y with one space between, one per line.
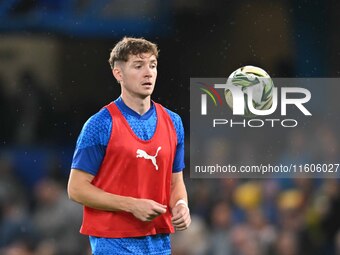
148 72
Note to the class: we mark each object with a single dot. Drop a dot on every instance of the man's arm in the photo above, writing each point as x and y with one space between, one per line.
180 211
81 190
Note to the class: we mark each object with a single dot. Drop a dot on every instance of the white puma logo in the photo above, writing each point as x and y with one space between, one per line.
143 154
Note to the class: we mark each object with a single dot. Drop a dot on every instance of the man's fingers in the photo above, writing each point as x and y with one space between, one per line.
180 220
181 229
159 208
183 225
179 215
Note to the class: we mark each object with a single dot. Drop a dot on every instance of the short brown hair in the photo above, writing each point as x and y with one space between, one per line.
131 46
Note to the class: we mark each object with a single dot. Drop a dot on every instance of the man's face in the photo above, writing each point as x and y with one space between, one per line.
138 75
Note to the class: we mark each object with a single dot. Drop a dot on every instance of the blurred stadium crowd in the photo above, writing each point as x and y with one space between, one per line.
49 87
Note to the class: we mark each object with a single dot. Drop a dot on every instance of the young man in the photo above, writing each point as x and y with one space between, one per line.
128 162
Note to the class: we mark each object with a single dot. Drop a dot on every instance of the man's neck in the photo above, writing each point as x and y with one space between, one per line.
139 105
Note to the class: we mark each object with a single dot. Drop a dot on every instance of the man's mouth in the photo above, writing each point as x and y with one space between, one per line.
146 83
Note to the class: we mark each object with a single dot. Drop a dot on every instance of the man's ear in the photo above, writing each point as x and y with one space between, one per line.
117 73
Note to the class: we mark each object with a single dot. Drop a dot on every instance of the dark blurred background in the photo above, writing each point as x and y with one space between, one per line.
54 75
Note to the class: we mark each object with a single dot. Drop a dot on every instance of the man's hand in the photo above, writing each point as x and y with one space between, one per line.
146 209
180 217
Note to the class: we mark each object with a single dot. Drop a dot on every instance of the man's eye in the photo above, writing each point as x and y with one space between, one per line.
138 67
